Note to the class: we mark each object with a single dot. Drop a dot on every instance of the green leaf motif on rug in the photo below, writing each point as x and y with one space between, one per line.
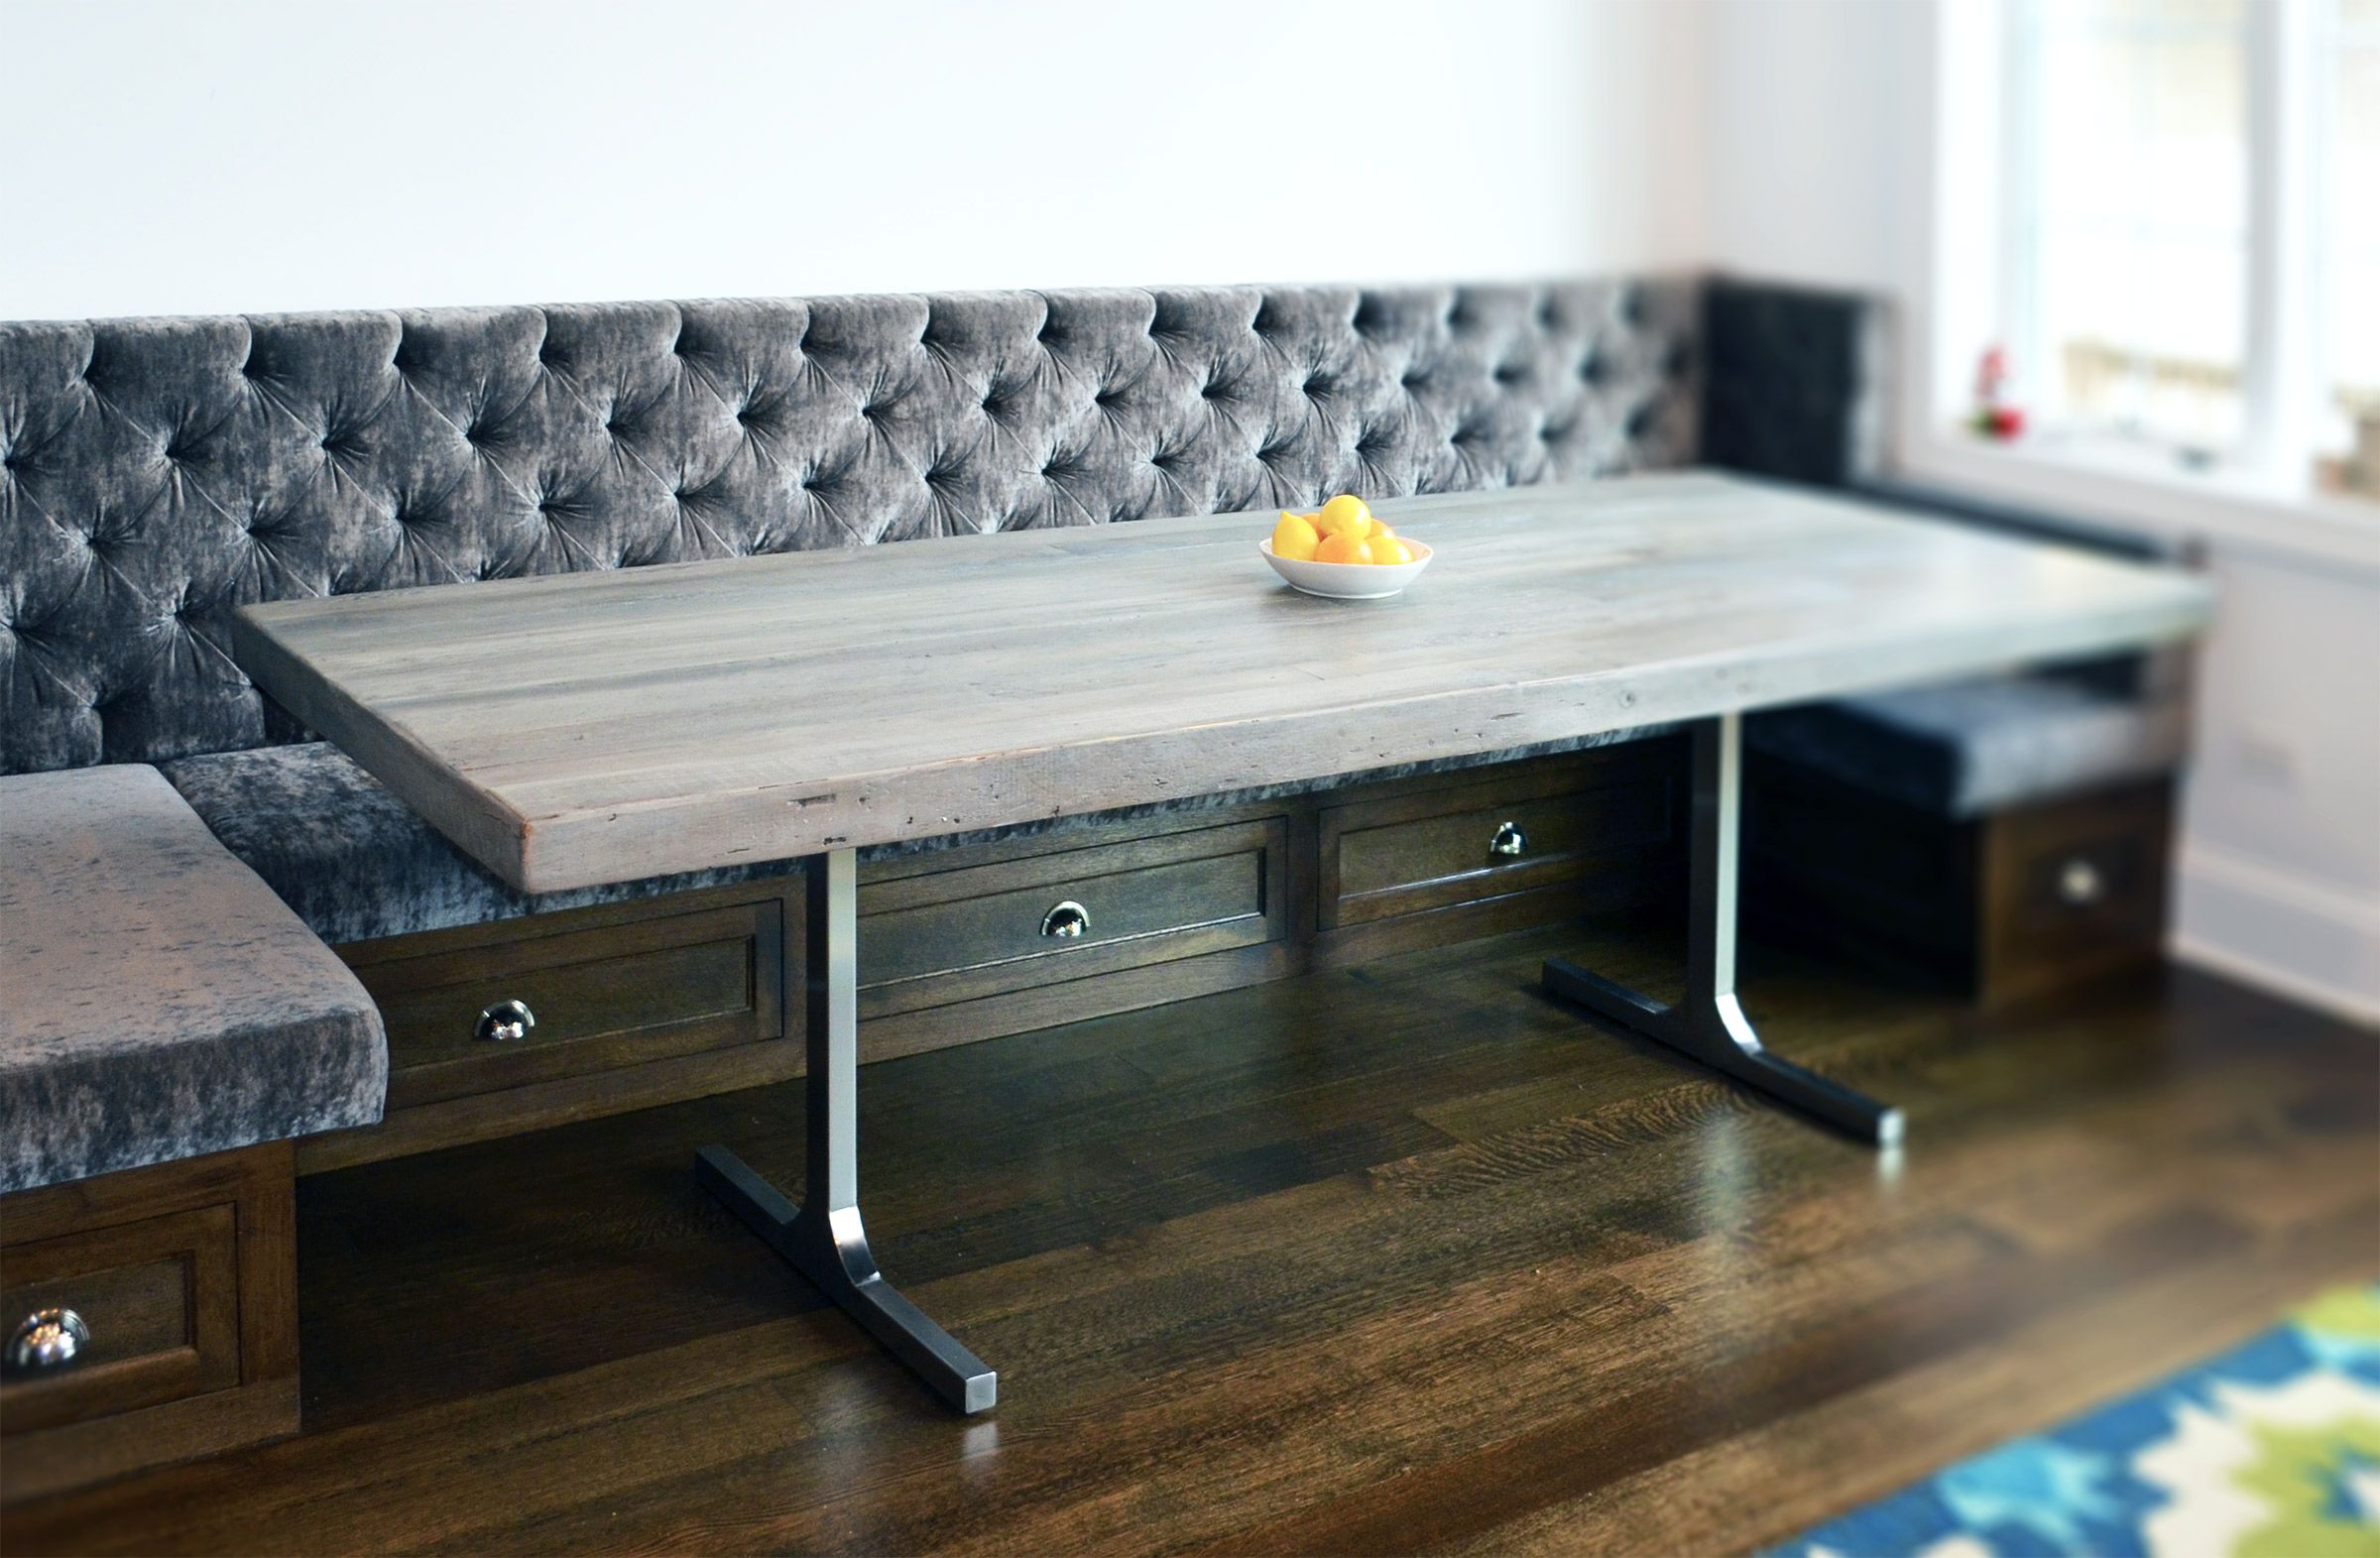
2314 1481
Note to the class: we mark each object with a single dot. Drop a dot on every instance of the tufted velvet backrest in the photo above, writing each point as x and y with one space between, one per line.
156 473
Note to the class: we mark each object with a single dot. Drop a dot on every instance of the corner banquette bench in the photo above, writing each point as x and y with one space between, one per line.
167 1026
159 473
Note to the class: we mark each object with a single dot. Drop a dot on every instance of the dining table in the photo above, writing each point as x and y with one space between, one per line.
606 726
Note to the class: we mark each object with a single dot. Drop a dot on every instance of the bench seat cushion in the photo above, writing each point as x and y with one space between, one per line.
1963 748
357 864
157 1000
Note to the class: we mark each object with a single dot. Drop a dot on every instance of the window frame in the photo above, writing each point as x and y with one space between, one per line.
1958 279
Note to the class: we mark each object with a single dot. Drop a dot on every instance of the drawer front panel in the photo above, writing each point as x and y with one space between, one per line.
606 997
1530 827
160 1299
941 936
2078 881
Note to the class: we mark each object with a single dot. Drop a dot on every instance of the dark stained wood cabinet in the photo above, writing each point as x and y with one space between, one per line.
1415 861
992 939
1997 908
185 1278
632 1005
662 999
2072 891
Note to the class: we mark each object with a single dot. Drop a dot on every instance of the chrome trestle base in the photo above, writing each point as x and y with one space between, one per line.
823 1236
1708 1023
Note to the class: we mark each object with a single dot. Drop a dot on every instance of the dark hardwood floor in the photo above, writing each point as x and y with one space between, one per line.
1393 1258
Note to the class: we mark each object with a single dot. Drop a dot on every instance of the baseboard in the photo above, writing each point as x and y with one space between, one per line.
2306 941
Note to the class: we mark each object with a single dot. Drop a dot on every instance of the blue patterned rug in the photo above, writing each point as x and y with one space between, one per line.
2269 1451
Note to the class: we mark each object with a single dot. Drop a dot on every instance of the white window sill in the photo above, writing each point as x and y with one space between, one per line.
2144 495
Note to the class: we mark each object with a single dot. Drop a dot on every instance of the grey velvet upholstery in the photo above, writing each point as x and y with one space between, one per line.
156 473
1793 382
157 1000
357 864
1966 748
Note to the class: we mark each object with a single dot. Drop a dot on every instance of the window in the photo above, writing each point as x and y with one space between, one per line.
2350 245
2189 257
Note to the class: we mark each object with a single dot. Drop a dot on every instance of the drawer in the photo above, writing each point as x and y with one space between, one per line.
2073 883
619 992
1530 825
931 938
185 1277
159 1298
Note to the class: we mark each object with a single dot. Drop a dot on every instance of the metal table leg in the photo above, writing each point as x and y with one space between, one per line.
823 1236
1708 1023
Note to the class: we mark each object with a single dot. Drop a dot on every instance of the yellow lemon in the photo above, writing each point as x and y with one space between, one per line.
1344 513
1380 533
1342 546
1294 537
1390 549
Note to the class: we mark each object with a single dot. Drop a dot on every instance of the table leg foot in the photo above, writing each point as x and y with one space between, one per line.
1717 1035
838 1261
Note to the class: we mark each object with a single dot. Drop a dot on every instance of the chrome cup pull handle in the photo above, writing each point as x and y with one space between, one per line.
47 1341
1066 921
1509 841
2080 884
505 1023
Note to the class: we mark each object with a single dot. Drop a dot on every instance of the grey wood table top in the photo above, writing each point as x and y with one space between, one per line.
600 727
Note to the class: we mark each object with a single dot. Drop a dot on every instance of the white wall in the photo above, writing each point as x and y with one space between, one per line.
165 156
2280 863
1808 147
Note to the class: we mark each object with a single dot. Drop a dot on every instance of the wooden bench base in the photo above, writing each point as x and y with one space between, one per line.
2004 908
184 1276
665 999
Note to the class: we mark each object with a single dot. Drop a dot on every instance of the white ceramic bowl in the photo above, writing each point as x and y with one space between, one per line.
1349 580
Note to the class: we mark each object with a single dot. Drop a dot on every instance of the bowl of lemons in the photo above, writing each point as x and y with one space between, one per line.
1341 552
